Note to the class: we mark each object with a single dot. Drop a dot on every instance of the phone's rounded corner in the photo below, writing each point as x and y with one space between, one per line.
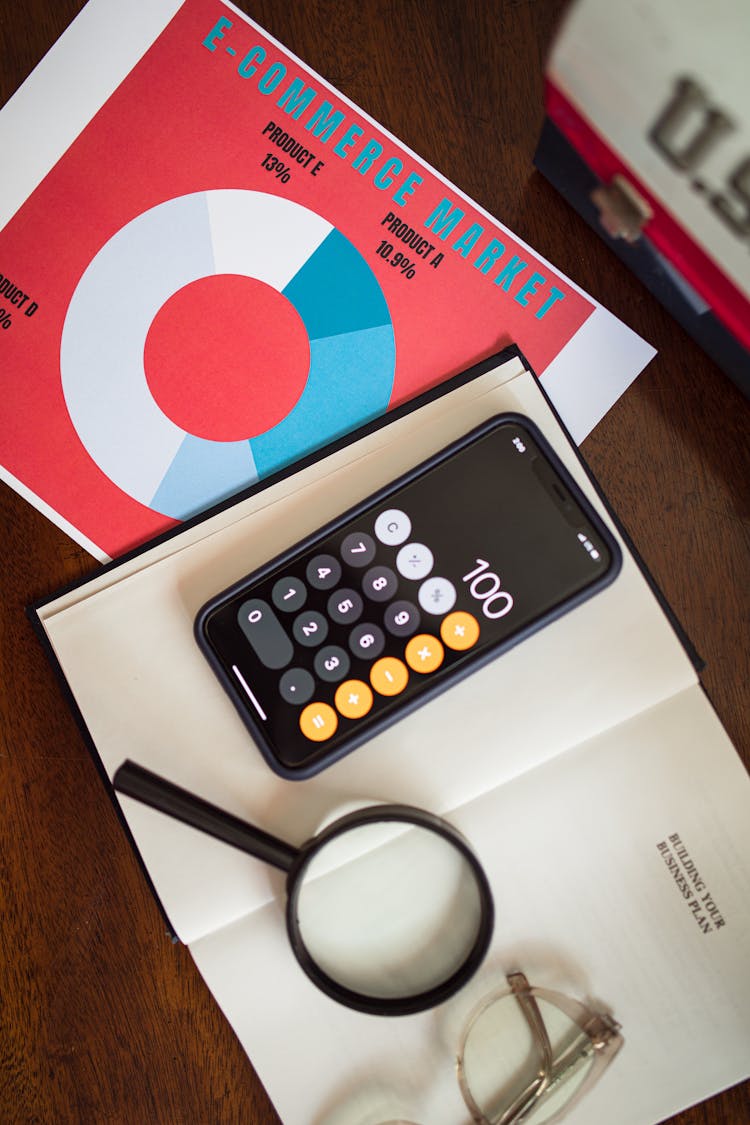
315 765
519 419
200 623
616 560
292 773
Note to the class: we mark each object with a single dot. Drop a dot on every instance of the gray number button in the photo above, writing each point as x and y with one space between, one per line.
323 572
331 663
345 607
380 583
401 619
437 595
289 594
265 633
393 527
358 549
310 629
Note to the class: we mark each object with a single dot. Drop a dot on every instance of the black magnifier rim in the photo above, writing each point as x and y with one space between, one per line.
391 1005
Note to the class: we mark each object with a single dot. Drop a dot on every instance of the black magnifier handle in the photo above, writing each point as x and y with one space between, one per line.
150 789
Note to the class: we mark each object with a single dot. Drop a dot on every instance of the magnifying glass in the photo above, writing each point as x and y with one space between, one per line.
388 909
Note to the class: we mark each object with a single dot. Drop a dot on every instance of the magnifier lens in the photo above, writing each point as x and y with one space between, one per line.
389 909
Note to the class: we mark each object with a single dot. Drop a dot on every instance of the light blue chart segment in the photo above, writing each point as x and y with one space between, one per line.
344 390
203 472
352 354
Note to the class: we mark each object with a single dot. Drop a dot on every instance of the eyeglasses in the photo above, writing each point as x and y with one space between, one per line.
530 1054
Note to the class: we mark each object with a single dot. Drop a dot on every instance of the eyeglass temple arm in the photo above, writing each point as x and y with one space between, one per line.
595 1036
528 1097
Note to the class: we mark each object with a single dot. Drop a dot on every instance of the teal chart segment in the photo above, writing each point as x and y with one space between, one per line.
228 231
352 348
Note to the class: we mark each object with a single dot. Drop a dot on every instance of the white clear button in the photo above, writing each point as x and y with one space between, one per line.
393 527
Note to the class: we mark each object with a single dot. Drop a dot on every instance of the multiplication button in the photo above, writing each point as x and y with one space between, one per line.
424 653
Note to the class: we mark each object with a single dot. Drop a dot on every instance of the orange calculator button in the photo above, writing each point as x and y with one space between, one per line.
424 653
353 699
318 722
459 630
389 676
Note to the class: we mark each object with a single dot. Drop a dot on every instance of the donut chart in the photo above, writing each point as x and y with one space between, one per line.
185 239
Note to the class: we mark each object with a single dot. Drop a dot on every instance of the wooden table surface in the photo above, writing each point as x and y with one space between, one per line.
101 1018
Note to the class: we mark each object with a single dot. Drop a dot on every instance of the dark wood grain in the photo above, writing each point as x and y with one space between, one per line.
102 1019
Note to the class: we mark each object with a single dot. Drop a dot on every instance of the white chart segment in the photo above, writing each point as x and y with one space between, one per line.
101 351
246 228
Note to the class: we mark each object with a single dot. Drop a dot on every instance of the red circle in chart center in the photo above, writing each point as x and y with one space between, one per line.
227 357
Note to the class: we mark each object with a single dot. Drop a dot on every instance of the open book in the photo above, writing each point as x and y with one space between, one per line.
585 766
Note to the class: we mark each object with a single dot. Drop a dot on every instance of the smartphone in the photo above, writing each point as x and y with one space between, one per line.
401 596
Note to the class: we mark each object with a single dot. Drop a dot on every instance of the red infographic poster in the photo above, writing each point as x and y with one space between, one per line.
229 267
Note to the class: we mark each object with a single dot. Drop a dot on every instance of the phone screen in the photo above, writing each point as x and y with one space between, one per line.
388 605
